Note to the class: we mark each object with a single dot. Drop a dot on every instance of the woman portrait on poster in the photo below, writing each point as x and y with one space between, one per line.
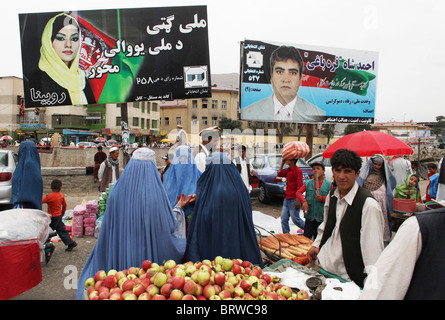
59 80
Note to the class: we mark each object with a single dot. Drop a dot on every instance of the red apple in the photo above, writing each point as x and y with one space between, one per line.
246 285
201 298
220 278
152 290
138 289
256 271
176 294
303 295
177 282
199 290
133 270
208 291
98 284
228 286
93 295
145 282
144 296
246 264
238 292
116 296
286 291
189 287
110 281
128 285
236 262
158 297
256 290
224 294
166 289
170 264
104 295
146 264
237 269
100 275
188 297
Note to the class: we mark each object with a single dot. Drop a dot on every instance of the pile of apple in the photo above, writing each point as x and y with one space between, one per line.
219 279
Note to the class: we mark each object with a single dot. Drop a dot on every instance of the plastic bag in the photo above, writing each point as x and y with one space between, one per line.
295 150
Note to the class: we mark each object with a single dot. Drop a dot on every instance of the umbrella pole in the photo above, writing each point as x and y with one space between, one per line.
418 166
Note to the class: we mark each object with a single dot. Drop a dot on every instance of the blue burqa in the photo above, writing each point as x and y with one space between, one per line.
181 177
222 223
27 182
138 223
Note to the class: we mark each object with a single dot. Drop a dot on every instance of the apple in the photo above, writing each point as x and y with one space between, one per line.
215 297
98 284
110 281
217 288
248 296
170 264
131 276
208 291
146 264
159 279
138 289
100 275
236 262
128 285
303 295
116 296
179 272
228 286
256 271
144 296
120 275
232 279
207 262
93 295
194 276
206 267
238 292
188 297
166 289
199 290
190 269
201 298
252 279
133 270
176 294
145 282
189 287
156 266
224 294
158 297
266 277
237 269
256 289
152 290
286 291
131 296
220 278
177 282
115 289
126 293
203 277
246 264
90 282
219 260
227 264
121 282
111 272
90 289
104 295
246 285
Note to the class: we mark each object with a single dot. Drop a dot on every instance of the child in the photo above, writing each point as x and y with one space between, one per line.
56 207
294 181
313 202
409 189
433 183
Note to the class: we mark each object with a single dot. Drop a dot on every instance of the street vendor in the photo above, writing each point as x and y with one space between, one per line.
350 239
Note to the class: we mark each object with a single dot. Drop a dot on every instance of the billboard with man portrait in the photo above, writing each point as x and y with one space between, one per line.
115 55
301 83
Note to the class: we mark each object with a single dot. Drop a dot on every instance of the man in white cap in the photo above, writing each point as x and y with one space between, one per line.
210 137
109 169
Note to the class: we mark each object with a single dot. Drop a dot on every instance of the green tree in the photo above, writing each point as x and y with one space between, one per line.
328 130
352 128
228 123
439 128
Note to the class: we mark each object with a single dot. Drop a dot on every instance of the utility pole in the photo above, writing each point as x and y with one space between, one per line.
124 125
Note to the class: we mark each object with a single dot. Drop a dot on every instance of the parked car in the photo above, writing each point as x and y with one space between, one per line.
8 163
86 144
325 161
266 167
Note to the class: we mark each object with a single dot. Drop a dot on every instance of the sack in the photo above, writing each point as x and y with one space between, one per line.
295 150
404 205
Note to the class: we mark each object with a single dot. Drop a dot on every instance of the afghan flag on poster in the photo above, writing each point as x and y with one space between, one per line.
324 70
109 70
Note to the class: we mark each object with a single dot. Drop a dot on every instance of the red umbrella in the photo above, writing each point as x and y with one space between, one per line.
368 143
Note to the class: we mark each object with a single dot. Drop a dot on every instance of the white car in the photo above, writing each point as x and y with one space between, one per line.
86 144
8 163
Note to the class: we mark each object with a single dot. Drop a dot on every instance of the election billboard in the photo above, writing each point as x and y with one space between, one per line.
115 55
308 84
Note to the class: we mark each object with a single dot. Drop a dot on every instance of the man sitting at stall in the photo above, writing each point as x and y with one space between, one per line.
351 236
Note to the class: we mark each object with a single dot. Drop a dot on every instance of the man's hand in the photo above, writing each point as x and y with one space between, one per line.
313 253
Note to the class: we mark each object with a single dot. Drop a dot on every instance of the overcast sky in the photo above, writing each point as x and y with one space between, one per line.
408 35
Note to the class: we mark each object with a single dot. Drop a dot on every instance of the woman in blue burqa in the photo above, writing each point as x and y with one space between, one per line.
181 177
27 182
139 223
222 223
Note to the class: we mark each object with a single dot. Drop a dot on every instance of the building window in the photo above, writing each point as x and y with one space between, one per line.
204 103
214 121
224 104
118 122
142 123
148 123
194 120
167 121
142 106
136 105
178 120
154 124
194 104
214 104
148 107
154 107
204 121
135 122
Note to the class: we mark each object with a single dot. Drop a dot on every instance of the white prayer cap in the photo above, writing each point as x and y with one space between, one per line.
114 149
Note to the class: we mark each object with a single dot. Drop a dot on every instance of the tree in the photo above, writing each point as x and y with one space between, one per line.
228 123
439 127
352 128
328 130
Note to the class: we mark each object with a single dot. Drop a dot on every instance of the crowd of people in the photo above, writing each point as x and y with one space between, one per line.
191 214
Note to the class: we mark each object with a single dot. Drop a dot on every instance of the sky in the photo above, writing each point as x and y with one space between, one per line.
408 35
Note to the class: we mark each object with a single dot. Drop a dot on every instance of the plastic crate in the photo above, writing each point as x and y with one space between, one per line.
404 205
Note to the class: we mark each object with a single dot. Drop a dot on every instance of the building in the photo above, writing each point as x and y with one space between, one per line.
74 123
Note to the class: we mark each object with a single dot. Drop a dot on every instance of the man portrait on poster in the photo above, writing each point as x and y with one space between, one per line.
286 65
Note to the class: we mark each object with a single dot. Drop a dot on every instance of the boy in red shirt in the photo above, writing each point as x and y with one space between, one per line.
294 181
56 208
